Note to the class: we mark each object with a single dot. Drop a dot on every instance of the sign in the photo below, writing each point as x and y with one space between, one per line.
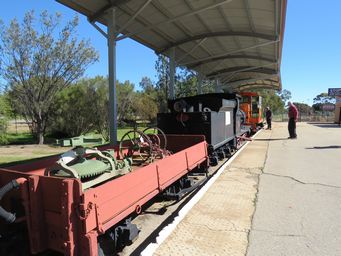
338 99
334 92
328 107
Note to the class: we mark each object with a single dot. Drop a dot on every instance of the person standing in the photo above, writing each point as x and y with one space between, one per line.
268 116
293 115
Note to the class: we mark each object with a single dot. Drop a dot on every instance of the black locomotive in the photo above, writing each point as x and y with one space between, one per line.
215 115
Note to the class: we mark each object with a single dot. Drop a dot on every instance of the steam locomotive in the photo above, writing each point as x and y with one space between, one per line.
217 116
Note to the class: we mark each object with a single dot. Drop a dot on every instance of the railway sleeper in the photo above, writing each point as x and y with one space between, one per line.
184 186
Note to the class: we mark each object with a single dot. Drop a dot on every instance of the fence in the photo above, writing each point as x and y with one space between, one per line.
327 117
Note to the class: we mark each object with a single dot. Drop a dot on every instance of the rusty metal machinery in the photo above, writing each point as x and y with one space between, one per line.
144 146
159 142
90 165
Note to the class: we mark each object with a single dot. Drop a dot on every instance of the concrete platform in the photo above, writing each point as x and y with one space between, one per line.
298 208
278 197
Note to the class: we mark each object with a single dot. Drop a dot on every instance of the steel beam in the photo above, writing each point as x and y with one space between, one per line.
134 16
253 80
112 76
218 34
239 69
149 27
229 56
105 9
231 52
99 29
192 50
260 86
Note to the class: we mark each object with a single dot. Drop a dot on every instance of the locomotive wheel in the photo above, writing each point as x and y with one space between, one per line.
157 136
137 145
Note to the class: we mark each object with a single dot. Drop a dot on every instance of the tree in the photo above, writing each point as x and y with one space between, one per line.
5 113
162 73
285 95
125 98
303 108
322 99
270 98
100 103
147 85
5 106
146 106
73 112
39 64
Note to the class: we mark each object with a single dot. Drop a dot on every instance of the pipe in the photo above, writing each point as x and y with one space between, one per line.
13 184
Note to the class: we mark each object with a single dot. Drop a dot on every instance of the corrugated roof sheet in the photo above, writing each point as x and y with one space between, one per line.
238 42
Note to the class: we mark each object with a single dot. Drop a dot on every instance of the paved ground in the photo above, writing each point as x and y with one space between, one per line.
298 208
220 222
295 186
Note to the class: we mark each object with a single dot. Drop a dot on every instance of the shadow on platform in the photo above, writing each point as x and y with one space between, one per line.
325 125
325 147
270 139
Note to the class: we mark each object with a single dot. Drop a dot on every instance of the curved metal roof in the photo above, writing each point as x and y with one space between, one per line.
238 42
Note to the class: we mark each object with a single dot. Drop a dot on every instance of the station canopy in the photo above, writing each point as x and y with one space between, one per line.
236 42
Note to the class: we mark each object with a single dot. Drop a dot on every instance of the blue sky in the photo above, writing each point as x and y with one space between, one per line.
311 58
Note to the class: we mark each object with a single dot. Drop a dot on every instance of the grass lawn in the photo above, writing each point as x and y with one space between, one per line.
22 146
9 159
20 138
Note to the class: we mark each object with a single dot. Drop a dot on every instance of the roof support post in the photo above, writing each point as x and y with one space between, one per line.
217 86
172 74
199 84
112 76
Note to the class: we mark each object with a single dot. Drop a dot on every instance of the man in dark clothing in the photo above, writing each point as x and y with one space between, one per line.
293 115
268 116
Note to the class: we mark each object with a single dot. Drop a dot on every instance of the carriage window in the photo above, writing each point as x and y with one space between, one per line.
255 109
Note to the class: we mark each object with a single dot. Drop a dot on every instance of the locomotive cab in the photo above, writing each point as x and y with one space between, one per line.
251 104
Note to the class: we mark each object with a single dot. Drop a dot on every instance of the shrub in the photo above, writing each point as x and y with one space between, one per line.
3 130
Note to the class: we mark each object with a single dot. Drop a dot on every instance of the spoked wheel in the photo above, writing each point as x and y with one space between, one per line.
157 136
137 145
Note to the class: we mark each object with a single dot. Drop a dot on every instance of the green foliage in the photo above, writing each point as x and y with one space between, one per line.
303 108
20 138
145 107
37 64
270 98
125 97
146 104
83 107
161 87
3 130
285 95
187 84
6 109
72 111
5 112
322 99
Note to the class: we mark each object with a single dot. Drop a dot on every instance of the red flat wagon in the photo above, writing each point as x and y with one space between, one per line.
58 215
